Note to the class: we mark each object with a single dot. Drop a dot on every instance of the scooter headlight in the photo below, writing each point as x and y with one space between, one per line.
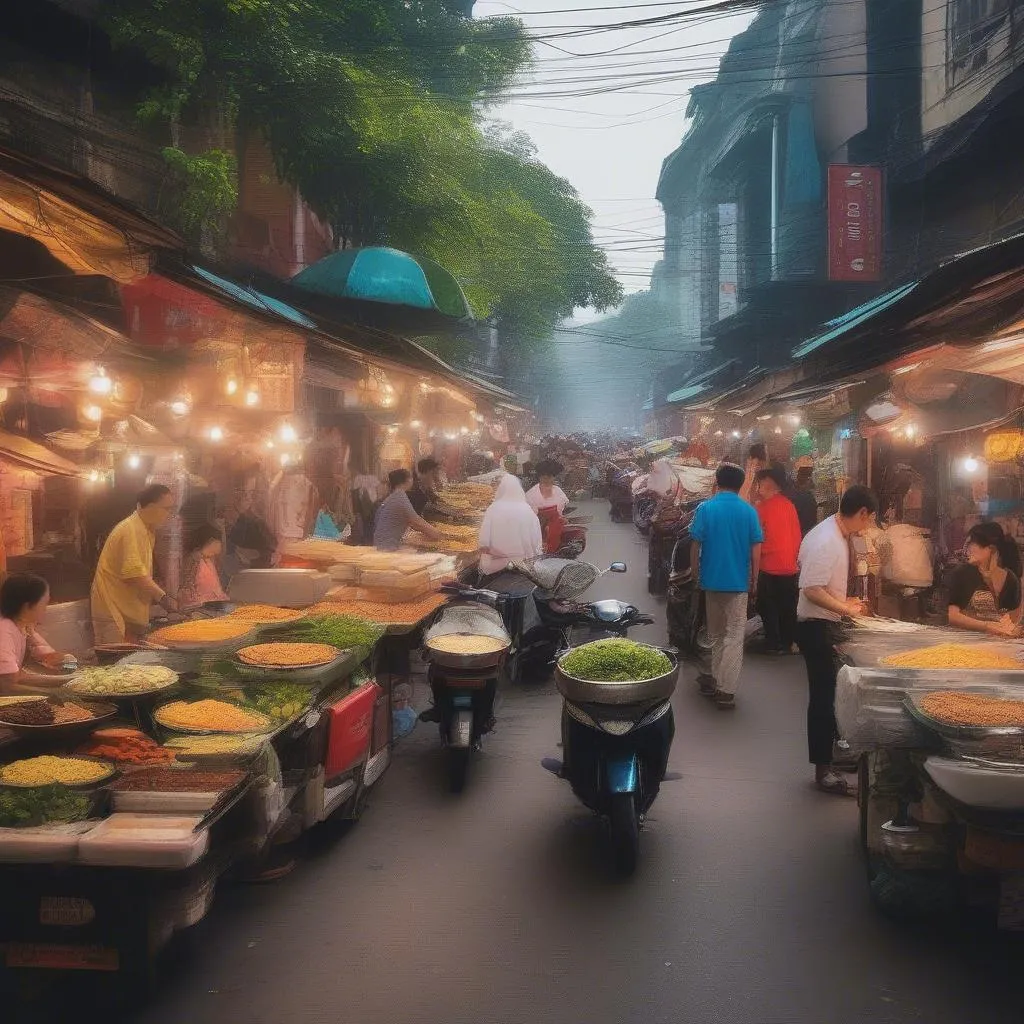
617 727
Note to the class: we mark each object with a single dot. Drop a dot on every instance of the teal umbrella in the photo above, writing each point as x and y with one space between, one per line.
377 274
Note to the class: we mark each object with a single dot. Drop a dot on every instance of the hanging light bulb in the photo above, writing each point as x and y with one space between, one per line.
285 458
180 407
736 433
134 461
100 383
93 413
94 476
415 424
232 386
270 443
252 397
216 433
289 434
971 464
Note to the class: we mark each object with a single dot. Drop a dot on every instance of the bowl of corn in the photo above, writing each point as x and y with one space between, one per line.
76 771
467 650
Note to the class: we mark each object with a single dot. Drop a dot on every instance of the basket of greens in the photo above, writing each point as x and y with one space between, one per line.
616 671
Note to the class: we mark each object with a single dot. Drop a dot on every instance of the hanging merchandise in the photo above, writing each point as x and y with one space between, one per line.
802 444
324 527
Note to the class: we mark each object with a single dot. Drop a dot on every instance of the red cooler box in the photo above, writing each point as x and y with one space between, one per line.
351 725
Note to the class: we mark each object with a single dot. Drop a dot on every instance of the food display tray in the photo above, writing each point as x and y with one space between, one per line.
102 711
641 691
268 726
83 694
145 841
102 780
211 646
984 741
317 675
150 802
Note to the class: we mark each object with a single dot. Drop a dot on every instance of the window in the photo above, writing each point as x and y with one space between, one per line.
971 27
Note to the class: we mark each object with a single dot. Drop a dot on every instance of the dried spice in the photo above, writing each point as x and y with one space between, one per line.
210 716
178 780
29 712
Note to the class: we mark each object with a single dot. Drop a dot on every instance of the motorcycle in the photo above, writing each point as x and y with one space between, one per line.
616 739
464 685
564 537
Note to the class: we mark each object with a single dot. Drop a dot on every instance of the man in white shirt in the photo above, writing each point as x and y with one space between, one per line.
824 601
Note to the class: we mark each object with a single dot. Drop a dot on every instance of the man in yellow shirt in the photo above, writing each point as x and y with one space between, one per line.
123 588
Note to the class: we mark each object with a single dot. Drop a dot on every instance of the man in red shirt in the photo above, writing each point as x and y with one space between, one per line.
778 581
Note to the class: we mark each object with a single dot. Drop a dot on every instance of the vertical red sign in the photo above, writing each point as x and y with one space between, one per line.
854 223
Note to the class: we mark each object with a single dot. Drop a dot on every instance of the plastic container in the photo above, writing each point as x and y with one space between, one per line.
145 841
350 724
45 844
990 787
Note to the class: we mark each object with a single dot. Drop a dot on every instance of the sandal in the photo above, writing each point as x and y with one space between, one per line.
835 785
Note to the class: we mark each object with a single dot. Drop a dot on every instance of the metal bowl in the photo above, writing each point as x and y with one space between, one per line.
639 691
101 710
449 659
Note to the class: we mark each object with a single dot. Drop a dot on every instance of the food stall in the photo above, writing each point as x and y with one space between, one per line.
936 717
127 793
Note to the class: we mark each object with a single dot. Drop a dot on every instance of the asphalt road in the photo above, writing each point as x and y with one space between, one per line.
749 905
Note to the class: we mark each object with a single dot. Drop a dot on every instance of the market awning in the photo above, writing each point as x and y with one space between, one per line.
703 384
853 319
34 456
89 230
255 299
29 319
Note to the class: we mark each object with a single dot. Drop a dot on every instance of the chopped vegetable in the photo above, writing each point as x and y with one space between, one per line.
41 806
211 716
48 770
122 680
330 626
952 656
615 661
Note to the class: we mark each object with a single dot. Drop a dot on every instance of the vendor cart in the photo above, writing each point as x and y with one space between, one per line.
941 803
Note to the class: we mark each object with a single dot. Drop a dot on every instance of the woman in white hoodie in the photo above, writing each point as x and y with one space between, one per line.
510 530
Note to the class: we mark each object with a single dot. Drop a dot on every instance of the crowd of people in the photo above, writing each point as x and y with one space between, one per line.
758 540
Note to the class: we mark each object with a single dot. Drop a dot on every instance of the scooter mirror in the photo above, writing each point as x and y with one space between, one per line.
617 567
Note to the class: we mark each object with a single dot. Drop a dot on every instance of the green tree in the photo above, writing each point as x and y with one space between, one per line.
373 109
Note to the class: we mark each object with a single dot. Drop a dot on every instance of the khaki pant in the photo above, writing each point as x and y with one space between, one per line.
727 625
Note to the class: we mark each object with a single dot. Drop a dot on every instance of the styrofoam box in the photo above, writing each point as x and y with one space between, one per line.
145 841
46 844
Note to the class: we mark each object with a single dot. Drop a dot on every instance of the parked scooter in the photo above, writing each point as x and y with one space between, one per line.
616 739
464 685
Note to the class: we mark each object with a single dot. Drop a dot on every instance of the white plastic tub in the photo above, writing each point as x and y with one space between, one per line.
994 789
145 841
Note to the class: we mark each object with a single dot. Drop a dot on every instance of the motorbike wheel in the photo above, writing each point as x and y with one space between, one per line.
625 833
458 768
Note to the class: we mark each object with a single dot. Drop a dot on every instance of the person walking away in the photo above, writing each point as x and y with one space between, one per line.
510 529
726 553
426 485
824 601
396 515
805 501
778 586
123 587
985 594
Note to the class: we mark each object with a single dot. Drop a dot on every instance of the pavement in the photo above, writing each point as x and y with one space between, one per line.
749 905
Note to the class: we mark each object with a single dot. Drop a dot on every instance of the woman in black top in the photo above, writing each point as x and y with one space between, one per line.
985 594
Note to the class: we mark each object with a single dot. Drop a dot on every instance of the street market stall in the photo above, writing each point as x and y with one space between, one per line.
127 793
936 717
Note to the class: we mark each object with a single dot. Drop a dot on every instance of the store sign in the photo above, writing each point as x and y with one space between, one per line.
855 206
728 260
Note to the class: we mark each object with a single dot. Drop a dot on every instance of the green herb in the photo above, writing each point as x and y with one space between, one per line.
615 661
337 630
41 805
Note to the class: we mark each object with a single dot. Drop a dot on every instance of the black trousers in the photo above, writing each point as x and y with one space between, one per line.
776 604
817 639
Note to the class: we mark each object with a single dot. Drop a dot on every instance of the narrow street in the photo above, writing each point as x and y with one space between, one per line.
749 904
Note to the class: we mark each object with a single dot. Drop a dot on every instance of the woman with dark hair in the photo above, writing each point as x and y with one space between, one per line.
200 580
23 601
546 493
985 594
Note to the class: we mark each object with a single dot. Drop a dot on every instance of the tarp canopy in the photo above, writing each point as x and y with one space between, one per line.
23 452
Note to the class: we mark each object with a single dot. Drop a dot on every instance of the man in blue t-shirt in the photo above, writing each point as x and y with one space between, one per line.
727 555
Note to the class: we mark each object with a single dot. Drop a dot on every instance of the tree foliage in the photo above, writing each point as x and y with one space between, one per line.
373 108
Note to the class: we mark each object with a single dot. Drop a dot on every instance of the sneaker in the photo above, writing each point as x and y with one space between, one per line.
432 714
724 701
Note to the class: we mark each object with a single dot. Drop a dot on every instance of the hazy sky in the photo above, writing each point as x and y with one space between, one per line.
610 144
